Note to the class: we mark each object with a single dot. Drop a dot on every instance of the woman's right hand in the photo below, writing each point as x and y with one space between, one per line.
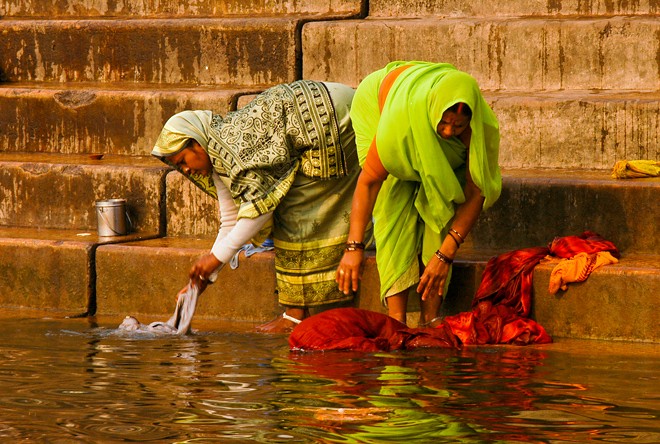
349 271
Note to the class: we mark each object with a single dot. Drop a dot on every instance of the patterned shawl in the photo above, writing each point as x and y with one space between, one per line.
258 149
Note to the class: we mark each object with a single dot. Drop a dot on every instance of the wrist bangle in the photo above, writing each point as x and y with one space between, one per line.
460 236
443 257
354 245
458 244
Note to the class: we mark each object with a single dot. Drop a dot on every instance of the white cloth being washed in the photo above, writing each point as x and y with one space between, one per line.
178 324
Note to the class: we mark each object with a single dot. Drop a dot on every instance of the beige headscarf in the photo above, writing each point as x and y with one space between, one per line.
176 134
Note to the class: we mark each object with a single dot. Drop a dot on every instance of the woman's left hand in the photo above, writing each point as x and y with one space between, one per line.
432 282
203 268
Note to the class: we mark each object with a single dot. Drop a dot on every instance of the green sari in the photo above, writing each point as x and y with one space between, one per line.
427 173
291 152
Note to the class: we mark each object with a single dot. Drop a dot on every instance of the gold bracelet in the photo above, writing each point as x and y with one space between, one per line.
443 257
458 234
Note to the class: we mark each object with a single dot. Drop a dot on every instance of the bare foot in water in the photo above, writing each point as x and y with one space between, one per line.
284 323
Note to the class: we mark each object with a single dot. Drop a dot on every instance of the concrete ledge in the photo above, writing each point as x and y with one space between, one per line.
229 52
50 269
508 8
538 205
97 118
617 302
576 129
60 191
182 8
190 211
525 54
145 277
45 274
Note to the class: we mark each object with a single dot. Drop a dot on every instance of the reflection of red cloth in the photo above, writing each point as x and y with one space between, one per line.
499 310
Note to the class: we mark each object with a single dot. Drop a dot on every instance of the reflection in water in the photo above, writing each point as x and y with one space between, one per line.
69 381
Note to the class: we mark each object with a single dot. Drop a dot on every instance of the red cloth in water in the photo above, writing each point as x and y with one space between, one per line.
357 329
499 310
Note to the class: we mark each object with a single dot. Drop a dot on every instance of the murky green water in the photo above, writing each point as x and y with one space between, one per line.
68 381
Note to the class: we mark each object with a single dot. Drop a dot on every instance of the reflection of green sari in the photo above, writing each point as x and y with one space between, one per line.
427 173
291 151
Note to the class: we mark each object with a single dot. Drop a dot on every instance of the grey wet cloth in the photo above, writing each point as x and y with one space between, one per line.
178 324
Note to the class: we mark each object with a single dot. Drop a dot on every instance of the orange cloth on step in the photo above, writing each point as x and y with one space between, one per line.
577 269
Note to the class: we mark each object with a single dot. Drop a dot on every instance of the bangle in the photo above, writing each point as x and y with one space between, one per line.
458 244
443 257
457 234
354 245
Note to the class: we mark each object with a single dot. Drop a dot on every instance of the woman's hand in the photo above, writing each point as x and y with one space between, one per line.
200 285
349 271
432 282
202 270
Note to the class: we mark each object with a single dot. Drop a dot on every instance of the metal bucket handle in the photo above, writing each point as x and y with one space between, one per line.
109 225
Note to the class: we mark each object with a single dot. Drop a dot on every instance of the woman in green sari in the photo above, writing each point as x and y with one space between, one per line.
284 166
428 144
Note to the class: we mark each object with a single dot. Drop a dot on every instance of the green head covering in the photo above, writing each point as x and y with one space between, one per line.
410 148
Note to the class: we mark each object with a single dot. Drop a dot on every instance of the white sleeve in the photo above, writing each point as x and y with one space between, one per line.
227 207
233 234
245 229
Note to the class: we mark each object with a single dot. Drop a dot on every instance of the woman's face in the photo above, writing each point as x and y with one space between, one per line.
452 124
193 160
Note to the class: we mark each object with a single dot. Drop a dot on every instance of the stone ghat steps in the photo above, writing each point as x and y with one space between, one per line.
615 302
576 129
377 8
192 51
107 118
532 53
181 8
69 274
535 53
52 269
59 191
571 129
536 205
509 8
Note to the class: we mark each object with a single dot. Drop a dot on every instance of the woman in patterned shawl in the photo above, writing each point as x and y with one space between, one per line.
283 166
428 143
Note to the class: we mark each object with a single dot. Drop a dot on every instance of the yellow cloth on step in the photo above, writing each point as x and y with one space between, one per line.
634 169
577 269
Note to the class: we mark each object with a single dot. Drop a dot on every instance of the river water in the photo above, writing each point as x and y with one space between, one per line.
78 381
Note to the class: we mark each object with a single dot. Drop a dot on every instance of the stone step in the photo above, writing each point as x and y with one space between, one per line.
613 53
536 205
60 190
509 8
571 129
172 8
576 129
108 118
51 269
192 51
615 302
